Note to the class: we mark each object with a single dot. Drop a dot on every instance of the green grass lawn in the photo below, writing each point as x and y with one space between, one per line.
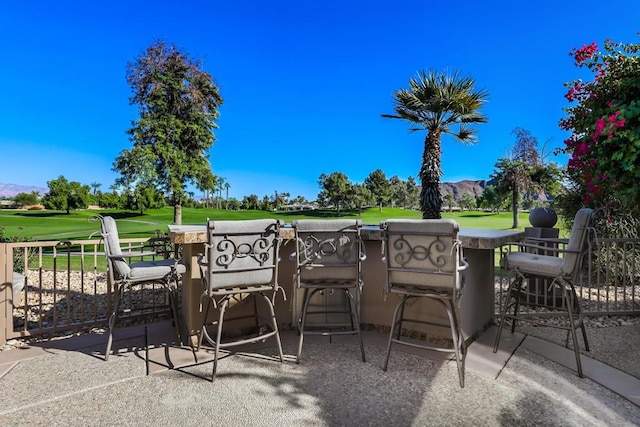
56 225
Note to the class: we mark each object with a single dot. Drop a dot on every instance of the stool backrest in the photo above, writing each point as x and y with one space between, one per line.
423 254
242 253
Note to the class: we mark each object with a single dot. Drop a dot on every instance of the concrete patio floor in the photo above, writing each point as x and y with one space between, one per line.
66 382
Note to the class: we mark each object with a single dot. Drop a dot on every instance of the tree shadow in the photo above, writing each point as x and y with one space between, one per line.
476 214
331 382
41 214
122 214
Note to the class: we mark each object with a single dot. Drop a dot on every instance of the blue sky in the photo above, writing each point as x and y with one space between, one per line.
304 82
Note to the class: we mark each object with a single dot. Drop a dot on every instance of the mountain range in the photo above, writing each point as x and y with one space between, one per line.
10 190
459 189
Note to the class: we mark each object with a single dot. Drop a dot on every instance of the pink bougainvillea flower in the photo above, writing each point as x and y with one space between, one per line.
585 52
581 149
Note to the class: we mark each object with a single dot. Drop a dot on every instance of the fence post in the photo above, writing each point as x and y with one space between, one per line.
6 291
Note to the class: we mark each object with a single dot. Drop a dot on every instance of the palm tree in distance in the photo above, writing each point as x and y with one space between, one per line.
438 103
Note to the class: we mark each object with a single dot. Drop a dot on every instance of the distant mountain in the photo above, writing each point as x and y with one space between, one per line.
459 189
475 188
10 190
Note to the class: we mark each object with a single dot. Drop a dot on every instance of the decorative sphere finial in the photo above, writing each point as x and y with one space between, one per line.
543 217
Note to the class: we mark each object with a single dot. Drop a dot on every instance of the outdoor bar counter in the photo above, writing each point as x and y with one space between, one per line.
476 310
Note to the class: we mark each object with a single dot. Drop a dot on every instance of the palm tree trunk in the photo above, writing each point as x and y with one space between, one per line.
430 173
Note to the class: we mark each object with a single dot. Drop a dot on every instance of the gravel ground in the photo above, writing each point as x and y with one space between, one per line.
88 296
72 299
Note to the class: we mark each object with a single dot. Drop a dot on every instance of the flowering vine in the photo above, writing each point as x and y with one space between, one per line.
604 121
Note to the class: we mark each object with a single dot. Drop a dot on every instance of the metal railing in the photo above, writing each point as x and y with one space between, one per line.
609 282
63 286
54 287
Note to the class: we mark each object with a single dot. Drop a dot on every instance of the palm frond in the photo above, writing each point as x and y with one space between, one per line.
439 102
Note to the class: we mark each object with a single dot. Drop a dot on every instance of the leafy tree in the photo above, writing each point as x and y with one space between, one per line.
64 195
110 200
604 121
449 199
250 202
178 105
438 104
233 204
266 203
207 185
280 199
361 197
26 199
468 201
336 189
413 194
144 197
512 177
398 189
299 200
379 187
549 176
523 172
492 199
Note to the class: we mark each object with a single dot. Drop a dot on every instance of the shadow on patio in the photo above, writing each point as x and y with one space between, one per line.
66 382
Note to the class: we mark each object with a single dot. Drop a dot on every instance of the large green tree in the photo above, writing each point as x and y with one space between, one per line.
143 197
438 103
178 104
413 193
361 197
27 199
64 195
336 189
379 186
250 202
492 199
399 191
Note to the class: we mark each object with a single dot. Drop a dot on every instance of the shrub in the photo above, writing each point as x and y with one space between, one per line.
604 121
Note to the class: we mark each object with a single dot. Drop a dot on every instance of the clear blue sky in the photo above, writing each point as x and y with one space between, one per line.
304 82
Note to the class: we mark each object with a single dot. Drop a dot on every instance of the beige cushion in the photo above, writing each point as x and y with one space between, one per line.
539 265
112 246
139 271
578 239
154 270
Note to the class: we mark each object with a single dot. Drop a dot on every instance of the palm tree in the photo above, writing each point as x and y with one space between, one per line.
95 186
226 202
439 104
